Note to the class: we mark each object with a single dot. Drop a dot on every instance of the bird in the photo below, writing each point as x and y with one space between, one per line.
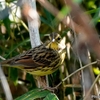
41 60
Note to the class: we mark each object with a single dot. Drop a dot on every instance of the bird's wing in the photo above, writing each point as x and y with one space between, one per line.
38 56
45 56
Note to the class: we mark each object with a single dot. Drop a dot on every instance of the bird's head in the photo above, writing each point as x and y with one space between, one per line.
56 42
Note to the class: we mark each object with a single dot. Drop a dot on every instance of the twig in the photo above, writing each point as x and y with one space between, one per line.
5 85
29 11
85 98
75 72
2 58
73 85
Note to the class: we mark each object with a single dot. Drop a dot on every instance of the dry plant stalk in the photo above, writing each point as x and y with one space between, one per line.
5 85
29 11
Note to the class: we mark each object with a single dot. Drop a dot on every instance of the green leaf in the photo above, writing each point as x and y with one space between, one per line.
96 17
93 11
48 15
45 21
34 94
63 12
51 96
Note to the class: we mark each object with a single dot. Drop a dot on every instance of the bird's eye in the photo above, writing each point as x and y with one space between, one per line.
58 38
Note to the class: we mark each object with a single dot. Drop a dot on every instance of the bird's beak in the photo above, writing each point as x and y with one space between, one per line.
53 40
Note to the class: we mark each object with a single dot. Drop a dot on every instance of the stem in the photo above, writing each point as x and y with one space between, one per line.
5 85
33 27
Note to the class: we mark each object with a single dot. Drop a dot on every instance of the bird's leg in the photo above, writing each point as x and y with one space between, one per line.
41 83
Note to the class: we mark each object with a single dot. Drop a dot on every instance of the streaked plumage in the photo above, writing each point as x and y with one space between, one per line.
41 60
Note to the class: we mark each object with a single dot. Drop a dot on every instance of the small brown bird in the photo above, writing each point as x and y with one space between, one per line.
41 60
